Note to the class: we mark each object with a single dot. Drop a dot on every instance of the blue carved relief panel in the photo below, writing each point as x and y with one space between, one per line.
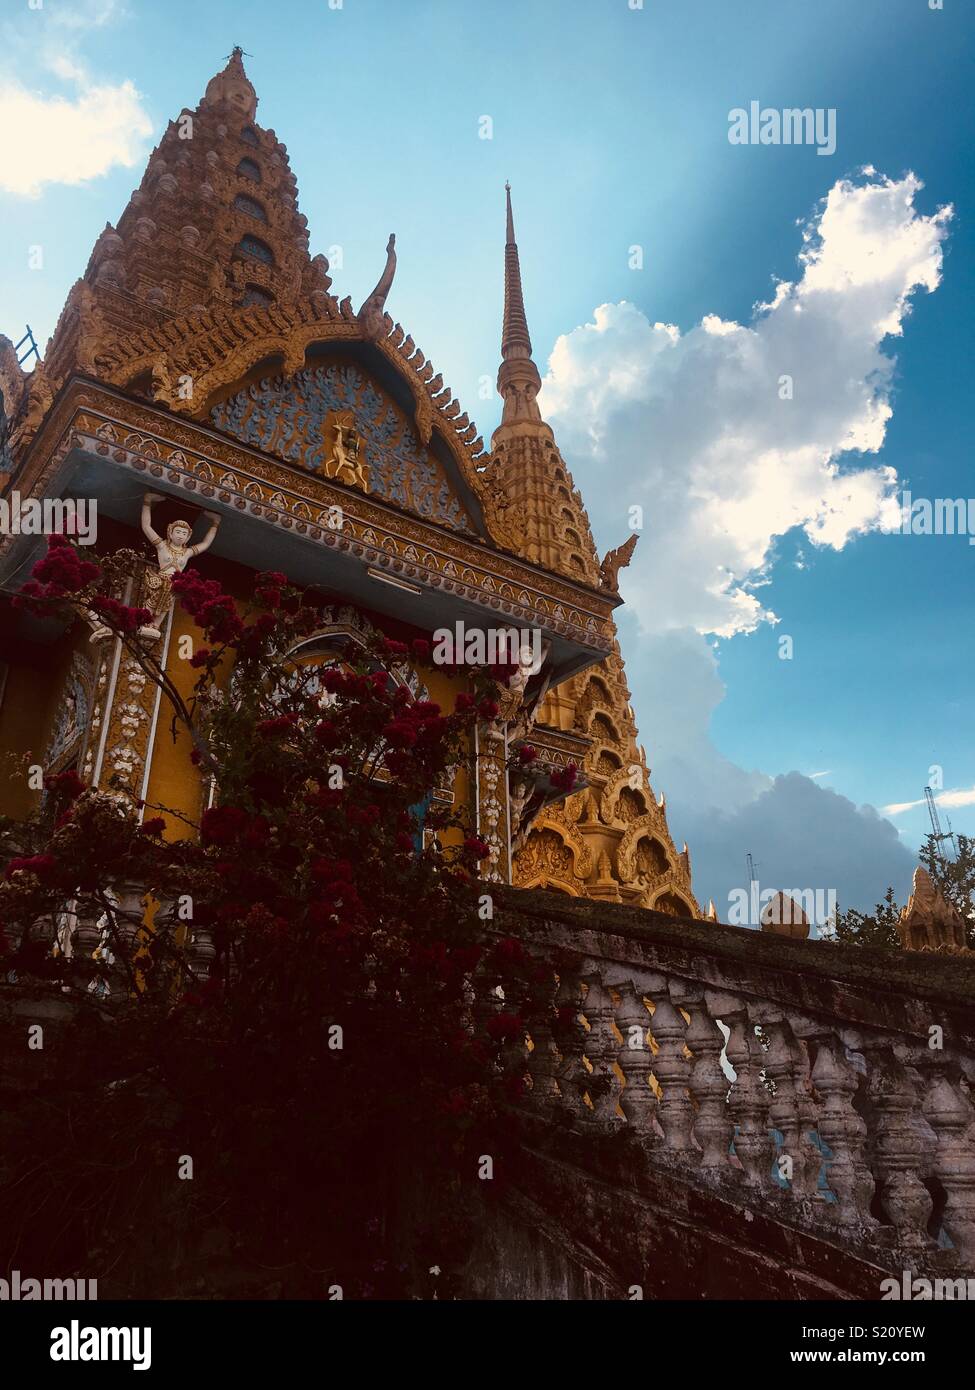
286 417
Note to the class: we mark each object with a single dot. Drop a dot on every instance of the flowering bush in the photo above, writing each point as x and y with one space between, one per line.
295 1012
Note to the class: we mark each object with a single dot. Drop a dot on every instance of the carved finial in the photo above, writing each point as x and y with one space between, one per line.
614 561
233 86
370 316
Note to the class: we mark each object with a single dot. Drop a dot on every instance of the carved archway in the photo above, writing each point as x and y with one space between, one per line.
552 885
602 723
555 850
672 904
603 761
644 827
620 781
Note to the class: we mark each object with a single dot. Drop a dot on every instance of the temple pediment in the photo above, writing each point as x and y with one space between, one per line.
334 419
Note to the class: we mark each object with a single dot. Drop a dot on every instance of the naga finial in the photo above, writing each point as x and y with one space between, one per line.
614 561
370 316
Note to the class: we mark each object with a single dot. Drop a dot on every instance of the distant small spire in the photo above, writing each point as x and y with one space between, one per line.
515 339
518 378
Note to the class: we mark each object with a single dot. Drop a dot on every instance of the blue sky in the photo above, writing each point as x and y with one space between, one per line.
612 125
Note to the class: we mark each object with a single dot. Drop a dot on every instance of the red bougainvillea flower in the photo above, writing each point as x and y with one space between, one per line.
201 657
327 734
527 754
267 589
331 870
155 826
221 825
463 702
66 784
465 958
456 1104
395 648
564 779
280 724
505 1027
488 709
119 615
62 568
479 848
425 709
421 648
209 607
41 865
400 733
509 951
258 832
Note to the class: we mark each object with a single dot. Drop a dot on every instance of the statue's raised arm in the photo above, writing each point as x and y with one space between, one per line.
148 499
207 540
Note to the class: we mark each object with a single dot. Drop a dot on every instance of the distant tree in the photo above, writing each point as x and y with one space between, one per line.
853 928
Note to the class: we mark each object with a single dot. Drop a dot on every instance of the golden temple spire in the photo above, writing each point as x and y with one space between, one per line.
518 377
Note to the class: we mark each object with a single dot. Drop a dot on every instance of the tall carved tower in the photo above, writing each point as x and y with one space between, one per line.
609 840
213 228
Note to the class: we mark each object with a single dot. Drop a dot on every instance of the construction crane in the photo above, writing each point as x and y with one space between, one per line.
939 835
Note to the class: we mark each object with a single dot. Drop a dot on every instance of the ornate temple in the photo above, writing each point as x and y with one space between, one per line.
203 367
226 410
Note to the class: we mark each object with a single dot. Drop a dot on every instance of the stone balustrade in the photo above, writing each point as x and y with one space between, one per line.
705 1108
828 1085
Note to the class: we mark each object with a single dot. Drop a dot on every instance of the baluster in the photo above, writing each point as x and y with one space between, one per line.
638 1101
713 1127
786 1066
544 1059
601 1048
672 1070
843 1130
749 1101
487 1003
570 1039
949 1113
515 1052
896 1146
202 952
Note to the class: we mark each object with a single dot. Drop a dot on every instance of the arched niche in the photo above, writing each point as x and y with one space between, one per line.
672 904
556 850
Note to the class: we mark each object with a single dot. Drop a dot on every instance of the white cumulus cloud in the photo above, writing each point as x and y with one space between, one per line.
69 139
961 796
699 428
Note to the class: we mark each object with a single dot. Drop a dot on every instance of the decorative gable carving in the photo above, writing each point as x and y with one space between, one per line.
294 417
